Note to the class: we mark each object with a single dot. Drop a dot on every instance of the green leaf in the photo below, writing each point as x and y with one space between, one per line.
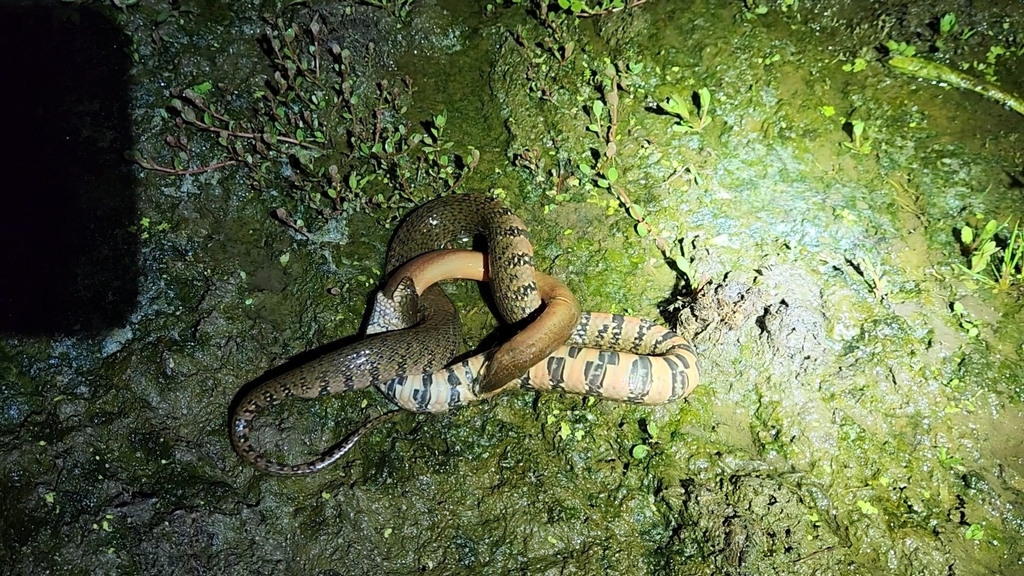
705 98
947 23
641 230
967 235
202 88
640 451
866 507
564 430
990 229
684 266
974 532
636 212
612 174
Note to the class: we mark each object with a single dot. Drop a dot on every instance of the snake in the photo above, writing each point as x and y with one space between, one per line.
609 356
430 334
412 327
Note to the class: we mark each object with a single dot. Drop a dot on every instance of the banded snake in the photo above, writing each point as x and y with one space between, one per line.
414 331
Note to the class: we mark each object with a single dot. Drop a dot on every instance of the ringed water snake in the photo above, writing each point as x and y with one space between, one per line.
609 356
414 332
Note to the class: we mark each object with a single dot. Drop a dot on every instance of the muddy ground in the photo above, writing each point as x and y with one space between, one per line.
860 409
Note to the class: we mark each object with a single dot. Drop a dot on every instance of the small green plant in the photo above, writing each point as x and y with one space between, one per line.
900 48
559 50
988 67
599 167
597 7
684 263
974 532
753 9
867 507
993 53
995 261
949 461
692 117
335 143
859 143
437 149
872 275
965 321
395 8
947 23
857 65
947 26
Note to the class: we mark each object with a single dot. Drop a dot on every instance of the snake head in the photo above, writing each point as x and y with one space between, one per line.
396 311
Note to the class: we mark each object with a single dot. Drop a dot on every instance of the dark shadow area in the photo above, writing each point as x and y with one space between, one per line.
68 259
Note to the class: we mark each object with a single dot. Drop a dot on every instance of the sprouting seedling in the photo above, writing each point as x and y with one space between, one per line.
872 275
859 145
1012 258
857 65
394 8
689 121
900 48
684 263
983 248
947 23
960 313
858 130
597 110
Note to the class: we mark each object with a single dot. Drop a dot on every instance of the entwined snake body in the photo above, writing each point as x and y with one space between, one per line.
414 332
607 355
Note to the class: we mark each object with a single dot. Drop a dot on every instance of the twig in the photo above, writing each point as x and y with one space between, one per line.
191 119
148 164
658 240
281 216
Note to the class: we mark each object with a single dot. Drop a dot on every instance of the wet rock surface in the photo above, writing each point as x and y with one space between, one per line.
851 418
